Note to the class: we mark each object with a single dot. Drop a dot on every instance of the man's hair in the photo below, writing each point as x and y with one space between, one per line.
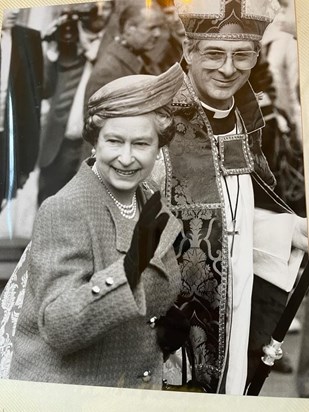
192 44
130 13
113 3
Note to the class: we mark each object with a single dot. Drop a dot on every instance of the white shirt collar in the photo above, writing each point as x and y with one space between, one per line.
219 114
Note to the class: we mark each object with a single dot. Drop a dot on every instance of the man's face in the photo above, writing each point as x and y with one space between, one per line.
95 16
143 34
171 15
216 87
9 18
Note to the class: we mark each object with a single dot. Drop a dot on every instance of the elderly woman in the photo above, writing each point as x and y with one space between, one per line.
101 265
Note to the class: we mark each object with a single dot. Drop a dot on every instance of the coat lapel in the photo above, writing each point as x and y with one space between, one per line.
124 227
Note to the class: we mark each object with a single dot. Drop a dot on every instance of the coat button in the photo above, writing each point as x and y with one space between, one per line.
109 281
146 376
152 321
95 290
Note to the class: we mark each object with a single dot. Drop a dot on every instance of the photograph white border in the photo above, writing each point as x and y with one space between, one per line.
18 396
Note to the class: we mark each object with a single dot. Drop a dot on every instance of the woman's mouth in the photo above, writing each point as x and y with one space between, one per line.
125 172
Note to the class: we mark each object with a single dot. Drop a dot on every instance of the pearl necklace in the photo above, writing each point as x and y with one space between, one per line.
127 211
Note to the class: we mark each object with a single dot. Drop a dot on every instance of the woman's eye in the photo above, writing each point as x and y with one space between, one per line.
113 141
141 143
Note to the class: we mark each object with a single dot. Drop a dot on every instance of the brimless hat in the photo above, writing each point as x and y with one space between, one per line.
226 19
135 95
131 96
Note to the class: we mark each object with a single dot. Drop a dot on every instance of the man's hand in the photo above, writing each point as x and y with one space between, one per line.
50 45
300 235
49 32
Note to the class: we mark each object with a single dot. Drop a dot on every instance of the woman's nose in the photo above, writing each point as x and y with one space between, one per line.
126 156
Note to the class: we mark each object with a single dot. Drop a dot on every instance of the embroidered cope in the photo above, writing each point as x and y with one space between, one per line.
216 289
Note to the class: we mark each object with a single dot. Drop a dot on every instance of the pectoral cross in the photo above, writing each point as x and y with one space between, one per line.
233 233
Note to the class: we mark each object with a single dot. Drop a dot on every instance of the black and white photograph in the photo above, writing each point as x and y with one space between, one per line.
153 229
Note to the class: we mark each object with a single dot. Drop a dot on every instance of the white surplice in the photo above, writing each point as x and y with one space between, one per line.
241 273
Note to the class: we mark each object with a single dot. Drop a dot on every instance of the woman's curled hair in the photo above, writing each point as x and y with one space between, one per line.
163 120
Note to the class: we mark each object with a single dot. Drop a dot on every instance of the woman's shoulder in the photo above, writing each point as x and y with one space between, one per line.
81 198
71 197
79 189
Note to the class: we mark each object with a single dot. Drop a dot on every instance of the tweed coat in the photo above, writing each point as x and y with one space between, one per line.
80 322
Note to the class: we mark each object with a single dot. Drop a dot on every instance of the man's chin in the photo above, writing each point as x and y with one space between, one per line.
9 25
224 93
151 46
95 28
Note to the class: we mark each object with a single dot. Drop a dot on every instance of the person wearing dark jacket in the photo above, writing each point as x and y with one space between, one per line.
140 29
21 84
72 43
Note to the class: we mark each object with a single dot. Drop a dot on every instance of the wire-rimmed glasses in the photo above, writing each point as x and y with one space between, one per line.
242 59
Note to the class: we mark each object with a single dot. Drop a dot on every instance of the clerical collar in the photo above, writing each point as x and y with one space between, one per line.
223 123
217 113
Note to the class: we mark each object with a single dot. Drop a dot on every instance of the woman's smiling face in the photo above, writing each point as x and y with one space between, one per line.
126 152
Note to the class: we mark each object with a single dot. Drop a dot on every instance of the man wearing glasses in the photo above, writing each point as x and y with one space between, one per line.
215 178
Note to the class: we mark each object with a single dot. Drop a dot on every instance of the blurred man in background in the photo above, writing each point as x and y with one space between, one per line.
169 49
140 29
279 49
72 44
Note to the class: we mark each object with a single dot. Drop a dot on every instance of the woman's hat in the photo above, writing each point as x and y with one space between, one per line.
226 19
135 95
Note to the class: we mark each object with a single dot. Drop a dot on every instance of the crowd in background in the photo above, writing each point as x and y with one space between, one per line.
76 40
95 37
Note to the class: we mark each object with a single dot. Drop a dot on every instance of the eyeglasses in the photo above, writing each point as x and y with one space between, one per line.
242 59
